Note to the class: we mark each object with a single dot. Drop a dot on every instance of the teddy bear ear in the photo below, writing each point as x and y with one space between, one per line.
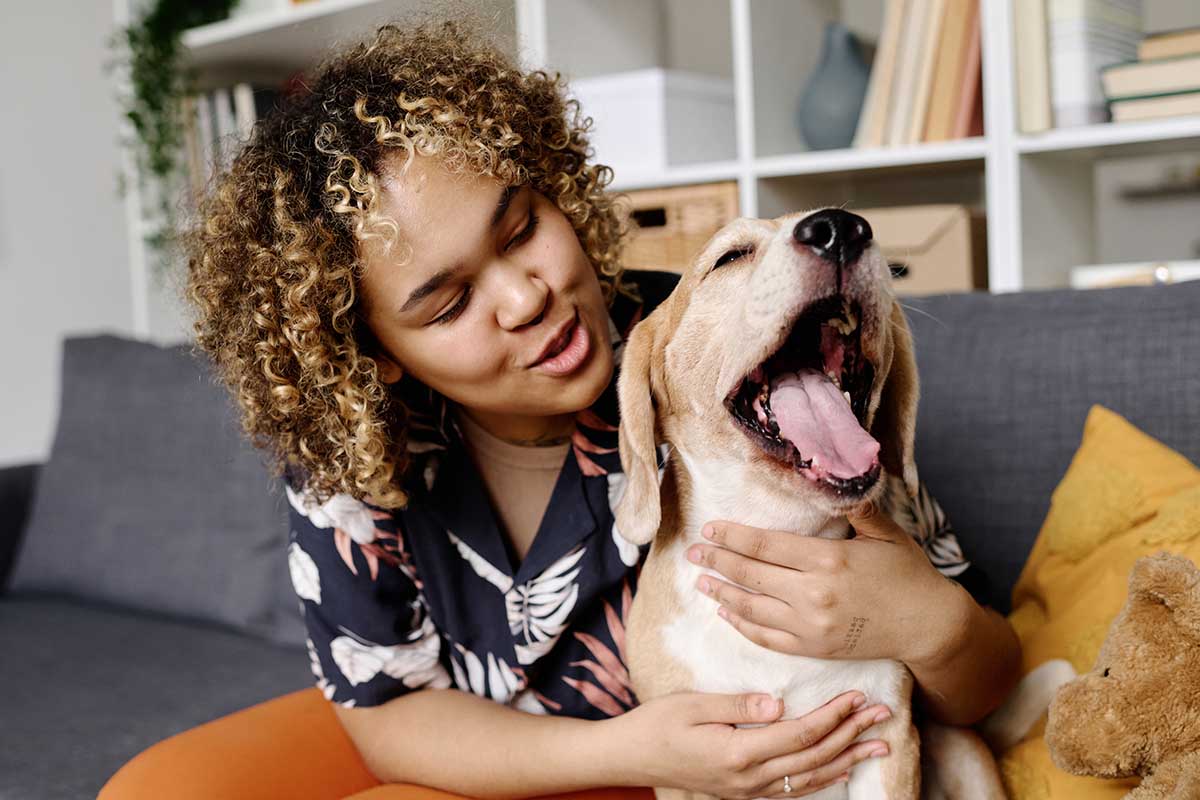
1173 581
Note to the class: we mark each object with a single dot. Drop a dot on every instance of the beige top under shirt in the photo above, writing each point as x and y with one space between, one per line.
519 479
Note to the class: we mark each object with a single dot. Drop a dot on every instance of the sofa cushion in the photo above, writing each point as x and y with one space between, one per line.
1007 381
87 687
152 498
1125 496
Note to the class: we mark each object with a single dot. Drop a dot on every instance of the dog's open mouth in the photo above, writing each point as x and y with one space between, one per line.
805 405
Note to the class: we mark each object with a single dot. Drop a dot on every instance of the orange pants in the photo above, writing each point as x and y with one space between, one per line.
290 747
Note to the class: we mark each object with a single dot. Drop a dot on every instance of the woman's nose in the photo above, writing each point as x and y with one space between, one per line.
525 299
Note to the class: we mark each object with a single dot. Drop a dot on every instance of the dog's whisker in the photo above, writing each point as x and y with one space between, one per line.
921 311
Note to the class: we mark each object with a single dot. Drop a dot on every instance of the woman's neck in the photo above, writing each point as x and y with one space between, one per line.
526 431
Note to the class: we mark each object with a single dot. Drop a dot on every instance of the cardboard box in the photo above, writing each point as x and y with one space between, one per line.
673 224
933 248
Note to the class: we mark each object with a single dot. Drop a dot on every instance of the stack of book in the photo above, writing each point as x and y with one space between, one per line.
926 82
1061 48
1164 81
216 123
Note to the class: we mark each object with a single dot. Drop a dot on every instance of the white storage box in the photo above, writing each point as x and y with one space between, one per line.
1096 276
647 120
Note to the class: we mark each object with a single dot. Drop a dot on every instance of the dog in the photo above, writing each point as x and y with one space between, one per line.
783 336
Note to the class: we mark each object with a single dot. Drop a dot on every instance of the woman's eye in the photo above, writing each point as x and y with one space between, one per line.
456 309
732 255
529 229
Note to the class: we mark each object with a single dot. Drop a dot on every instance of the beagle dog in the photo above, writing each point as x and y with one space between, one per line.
780 374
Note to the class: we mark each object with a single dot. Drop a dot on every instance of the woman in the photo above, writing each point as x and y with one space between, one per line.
411 281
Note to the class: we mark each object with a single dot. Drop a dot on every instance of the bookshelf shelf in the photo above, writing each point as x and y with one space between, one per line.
676 176
1116 138
851 161
287 38
826 163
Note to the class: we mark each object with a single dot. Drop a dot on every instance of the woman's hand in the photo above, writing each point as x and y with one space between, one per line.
874 596
689 741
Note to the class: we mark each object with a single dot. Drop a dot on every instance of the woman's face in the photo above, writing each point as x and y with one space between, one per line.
482 298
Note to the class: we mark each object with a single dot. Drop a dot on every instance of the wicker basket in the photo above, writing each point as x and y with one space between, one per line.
673 224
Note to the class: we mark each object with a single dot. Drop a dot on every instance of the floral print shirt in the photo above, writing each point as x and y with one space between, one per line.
431 596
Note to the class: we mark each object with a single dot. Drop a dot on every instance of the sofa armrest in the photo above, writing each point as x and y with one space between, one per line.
16 501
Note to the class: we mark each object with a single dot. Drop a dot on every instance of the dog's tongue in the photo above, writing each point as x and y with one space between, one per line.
815 417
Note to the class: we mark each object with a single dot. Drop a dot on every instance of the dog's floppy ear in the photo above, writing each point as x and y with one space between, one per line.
638 512
895 422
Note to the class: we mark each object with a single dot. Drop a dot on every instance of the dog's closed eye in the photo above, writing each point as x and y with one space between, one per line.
732 255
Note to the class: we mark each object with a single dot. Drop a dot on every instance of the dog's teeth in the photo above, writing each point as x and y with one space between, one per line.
847 396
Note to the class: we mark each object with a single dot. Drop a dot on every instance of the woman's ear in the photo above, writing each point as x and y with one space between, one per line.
895 422
638 512
389 371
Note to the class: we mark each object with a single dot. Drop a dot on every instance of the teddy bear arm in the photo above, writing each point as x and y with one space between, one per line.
1176 779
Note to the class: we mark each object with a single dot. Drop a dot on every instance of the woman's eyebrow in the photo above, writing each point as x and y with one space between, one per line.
427 288
441 276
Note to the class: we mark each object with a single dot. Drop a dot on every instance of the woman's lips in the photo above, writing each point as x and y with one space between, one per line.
572 355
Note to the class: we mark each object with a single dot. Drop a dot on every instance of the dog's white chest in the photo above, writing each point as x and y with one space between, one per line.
723 660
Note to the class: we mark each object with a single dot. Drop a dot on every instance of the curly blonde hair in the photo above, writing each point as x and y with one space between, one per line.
274 258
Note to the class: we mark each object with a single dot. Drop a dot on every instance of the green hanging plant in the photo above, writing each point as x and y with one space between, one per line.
151 47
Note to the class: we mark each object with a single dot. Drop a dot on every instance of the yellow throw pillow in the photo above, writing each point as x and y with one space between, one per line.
1125 495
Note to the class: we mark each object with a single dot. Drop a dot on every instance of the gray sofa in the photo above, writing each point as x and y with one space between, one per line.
149 591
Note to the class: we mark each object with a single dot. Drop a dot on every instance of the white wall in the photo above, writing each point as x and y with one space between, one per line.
63 250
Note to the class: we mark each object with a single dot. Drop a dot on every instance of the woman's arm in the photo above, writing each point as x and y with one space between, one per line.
460 742
974 663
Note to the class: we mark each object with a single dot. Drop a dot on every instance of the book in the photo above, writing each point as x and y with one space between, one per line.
936 16
1168 44
1155 106
900 107
950 74
243 110
968 117
873 119
1085 37
1177 74
225 129
205 135
1033 66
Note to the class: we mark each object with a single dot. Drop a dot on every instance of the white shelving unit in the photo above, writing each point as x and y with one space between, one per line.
1038 191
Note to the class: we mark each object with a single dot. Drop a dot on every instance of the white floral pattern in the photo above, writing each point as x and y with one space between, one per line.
538 610
340 511
415 662
306 579
923 519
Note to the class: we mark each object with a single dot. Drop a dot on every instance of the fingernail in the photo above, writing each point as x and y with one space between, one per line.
845 776
694 555
707 532
882 715
769 705
859 702
878 751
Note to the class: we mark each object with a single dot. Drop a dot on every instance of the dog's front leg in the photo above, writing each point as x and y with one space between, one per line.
897 775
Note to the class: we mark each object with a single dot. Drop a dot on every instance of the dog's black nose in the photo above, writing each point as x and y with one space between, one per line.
835 235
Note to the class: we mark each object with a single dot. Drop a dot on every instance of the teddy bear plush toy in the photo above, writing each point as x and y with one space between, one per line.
1138 711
